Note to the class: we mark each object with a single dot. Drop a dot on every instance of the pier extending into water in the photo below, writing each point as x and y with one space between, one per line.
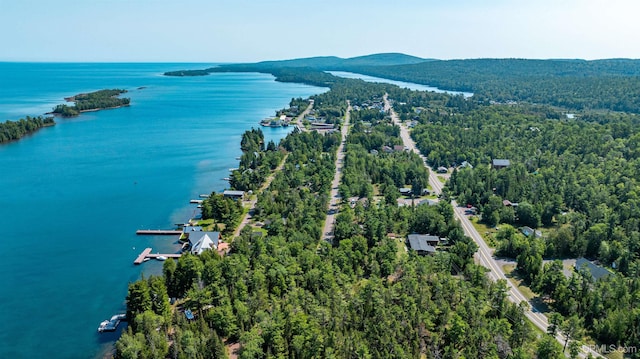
158 232
146 254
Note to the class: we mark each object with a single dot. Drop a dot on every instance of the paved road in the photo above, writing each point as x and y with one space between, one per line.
334 199
408 142
252 203
484 254
302 115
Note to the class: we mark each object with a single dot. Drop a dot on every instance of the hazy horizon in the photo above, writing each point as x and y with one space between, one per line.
295 58
199 31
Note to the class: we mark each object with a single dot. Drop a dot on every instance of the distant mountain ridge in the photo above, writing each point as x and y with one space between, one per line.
327 62
608 84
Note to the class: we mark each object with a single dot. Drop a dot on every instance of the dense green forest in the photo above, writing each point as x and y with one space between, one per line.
289 294
224 210
97 100
571 84
14 130
612 84
575 179
256 162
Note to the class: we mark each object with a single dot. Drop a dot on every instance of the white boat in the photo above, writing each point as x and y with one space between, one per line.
161 258
103 325
112 324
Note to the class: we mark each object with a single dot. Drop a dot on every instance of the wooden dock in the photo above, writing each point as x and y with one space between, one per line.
158 232
147 254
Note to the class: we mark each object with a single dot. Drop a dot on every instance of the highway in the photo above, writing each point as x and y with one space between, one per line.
484 254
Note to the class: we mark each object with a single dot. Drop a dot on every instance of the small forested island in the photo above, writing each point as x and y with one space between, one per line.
98 100
181 73
14 130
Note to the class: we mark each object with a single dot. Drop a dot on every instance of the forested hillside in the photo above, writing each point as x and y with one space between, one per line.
318 63
573 84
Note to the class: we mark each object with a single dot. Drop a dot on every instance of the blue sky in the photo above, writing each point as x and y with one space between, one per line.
243 30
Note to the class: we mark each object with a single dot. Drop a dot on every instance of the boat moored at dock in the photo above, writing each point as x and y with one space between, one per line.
112 324
146 255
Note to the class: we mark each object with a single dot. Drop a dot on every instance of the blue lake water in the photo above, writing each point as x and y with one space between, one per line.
402 84
73 195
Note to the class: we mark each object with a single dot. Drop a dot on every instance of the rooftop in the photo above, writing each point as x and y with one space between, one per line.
420 243
596 271
201 241
421 246
233 193
501 162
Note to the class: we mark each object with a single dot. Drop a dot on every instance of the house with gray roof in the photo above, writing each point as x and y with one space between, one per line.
597 272
187 229
423 244
500 163
233 194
